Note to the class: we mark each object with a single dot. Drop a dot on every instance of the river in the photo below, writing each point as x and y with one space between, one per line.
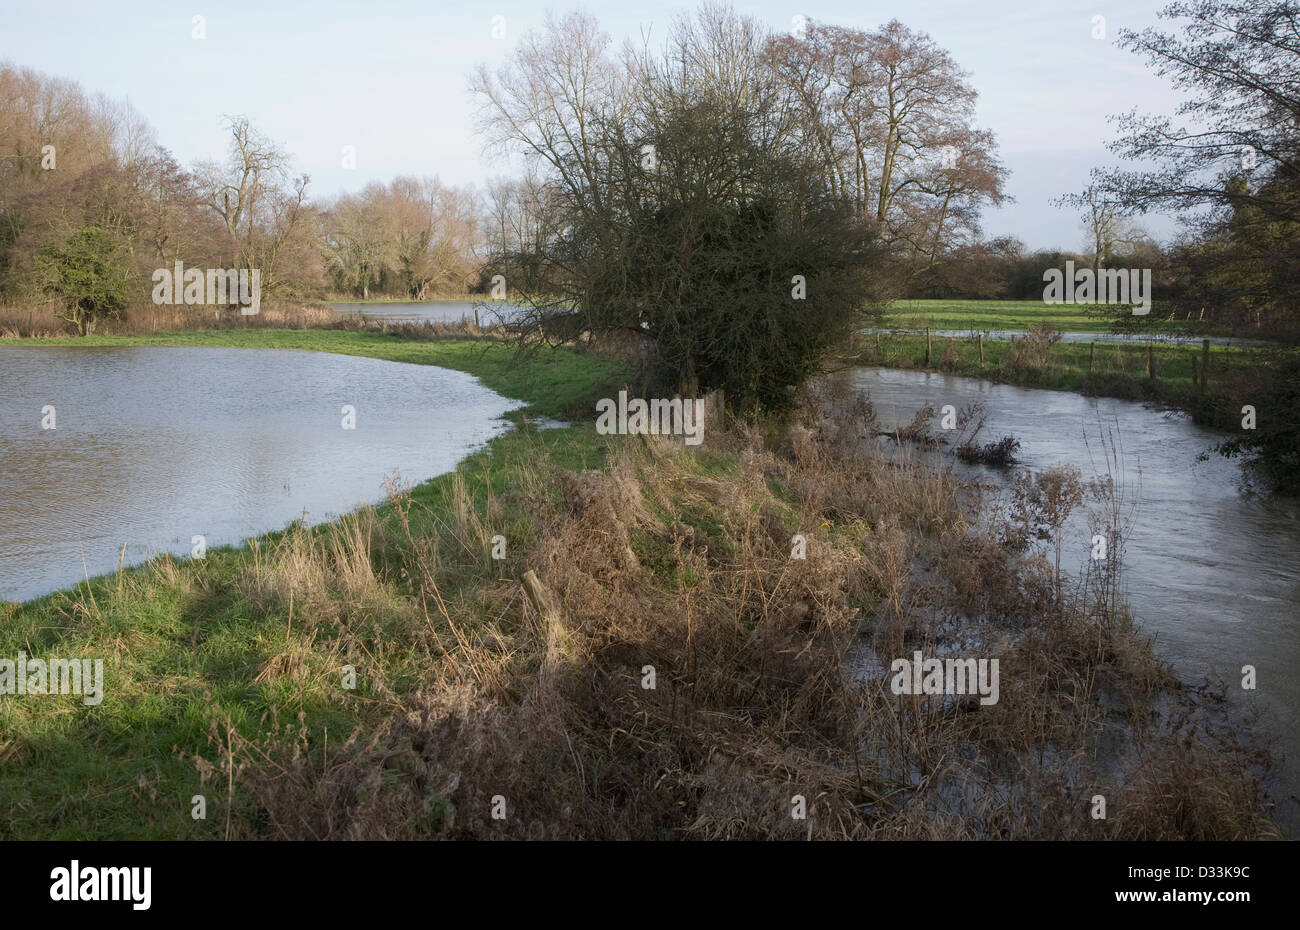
1211 568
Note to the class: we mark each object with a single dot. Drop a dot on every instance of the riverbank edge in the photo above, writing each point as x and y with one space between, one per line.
99 602
551 383
1171 378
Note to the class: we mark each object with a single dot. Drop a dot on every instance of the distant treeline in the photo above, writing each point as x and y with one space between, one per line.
91 206
1004 268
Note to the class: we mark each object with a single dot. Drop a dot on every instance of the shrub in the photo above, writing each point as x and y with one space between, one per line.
87 275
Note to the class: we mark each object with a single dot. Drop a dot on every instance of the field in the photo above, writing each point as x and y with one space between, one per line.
475 683
1110 369
983 315
185 640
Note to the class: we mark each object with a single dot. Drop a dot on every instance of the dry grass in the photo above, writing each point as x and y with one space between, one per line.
769 672
44 321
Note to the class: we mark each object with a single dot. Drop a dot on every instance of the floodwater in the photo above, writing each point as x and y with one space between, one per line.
1211 569
1172 339
155 445
490 312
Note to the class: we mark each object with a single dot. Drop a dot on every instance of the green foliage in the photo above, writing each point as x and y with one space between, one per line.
188 642
970 316
1272 387
700 256
87 274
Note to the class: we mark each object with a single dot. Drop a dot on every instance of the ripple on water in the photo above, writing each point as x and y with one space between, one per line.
154 445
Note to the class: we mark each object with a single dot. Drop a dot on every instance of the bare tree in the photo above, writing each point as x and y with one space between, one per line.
890 115
234 190
262 207
551 99
1104 222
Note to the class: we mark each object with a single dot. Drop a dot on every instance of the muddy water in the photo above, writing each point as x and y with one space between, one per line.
155 445
1212 570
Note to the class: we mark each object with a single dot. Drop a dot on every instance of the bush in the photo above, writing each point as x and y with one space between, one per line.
1273 389
1000 454
1032 353
85 272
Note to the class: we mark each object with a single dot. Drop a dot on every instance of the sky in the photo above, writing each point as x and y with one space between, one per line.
391 79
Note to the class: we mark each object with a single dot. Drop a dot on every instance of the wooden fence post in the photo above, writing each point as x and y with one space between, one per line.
927 347
980 337
1205 363
1092 350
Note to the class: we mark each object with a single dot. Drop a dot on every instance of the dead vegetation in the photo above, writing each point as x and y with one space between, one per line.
672 670
45 321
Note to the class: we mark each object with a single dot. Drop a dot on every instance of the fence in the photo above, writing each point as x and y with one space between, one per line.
1186 367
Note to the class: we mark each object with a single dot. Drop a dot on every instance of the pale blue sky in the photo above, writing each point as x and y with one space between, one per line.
390 78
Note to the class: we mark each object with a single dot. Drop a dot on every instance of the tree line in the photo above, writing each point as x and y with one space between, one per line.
731 200
91 205
734 196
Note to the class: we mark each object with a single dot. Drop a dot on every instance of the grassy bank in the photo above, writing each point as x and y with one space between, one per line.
1017 315
1109 369
46 321
670 668
190 643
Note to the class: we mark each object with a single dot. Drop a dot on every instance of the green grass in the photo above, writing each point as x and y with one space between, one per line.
1016 315
182 648
1117 369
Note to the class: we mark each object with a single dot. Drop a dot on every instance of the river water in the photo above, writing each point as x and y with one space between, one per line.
1212 570
1172 339
490 312
155 445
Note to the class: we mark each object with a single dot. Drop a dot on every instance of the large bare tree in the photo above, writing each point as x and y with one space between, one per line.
890 114
261 205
